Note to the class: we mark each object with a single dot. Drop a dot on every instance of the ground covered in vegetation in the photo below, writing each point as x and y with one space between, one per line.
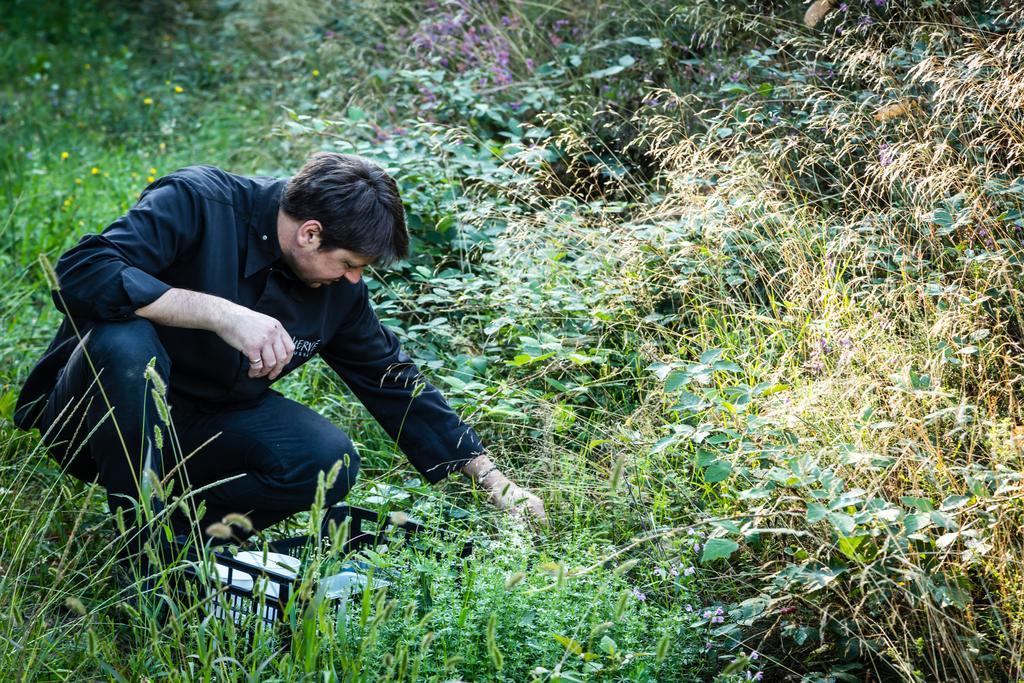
735 287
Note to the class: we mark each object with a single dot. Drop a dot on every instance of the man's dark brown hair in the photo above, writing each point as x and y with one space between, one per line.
356 202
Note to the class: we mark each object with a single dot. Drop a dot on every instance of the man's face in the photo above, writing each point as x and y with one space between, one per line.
326 267
316 267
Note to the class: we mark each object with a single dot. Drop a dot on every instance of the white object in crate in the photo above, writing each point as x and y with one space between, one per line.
351 579
278 562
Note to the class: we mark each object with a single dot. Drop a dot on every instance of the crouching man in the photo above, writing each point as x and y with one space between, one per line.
231 283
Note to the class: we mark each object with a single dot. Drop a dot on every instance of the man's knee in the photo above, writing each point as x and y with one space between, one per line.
123 350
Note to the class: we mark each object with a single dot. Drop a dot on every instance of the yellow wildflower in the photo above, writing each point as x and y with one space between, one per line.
316 72
152 171
95 171
78 181
150 179
178 89
163 146
64 155
148 100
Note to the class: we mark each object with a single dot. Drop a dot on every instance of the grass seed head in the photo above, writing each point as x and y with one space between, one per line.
626 566
514 580
239 520
219 530
398 518
75 605
49 273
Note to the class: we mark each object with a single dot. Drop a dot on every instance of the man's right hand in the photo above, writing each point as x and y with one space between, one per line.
261 338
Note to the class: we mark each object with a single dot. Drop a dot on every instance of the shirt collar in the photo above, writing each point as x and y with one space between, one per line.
264 247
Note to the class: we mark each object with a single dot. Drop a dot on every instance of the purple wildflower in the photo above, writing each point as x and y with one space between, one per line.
885 155
639 595
689 571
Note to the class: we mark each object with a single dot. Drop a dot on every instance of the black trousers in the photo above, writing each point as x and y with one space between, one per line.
102 419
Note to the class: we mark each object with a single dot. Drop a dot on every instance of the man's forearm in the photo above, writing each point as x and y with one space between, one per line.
259 337
185 308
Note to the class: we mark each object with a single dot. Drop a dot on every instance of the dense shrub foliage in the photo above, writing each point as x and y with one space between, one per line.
736 287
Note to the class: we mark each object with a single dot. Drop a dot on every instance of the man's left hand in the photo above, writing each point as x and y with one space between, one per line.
505 493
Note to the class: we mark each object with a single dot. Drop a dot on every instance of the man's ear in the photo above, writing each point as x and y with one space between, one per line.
309 233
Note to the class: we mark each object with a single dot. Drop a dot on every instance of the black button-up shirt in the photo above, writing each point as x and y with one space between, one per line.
203 229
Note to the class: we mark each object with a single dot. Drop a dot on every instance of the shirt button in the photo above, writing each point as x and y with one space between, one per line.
264 238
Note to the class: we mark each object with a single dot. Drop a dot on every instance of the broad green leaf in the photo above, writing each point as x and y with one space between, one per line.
710 356
718 471
848 545
718 548
922 504
954 502
690 402
816 512
915 522
677 379
944 520
705 457
843 522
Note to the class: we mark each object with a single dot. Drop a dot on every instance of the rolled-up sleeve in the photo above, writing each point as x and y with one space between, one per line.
368 358
111 275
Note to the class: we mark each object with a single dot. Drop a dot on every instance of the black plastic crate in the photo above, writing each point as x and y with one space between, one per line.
256 596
